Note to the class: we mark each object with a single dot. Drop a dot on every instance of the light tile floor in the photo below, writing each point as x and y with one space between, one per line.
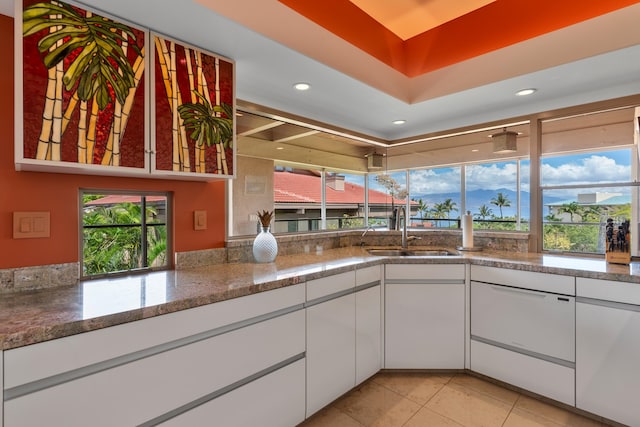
391 399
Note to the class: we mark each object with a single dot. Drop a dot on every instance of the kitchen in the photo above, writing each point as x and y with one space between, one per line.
58 194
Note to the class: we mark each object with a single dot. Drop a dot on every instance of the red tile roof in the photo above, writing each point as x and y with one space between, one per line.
291 187
113 199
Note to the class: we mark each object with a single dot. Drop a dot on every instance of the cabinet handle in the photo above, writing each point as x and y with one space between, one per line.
563 299
533 294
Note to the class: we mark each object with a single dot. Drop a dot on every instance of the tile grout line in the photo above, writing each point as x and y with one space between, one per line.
513 406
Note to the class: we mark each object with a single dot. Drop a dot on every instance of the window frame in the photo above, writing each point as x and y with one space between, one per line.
143 231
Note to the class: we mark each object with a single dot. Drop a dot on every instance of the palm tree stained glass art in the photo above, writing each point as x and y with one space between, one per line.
83 86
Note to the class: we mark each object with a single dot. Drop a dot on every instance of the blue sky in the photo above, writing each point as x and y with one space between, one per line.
587 168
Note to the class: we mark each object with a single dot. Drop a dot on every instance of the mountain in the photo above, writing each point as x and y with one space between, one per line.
477 198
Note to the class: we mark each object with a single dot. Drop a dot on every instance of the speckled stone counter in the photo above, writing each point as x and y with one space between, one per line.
34 316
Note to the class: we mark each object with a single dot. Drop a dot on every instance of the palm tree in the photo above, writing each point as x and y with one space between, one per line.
500 201
591 213
445 208
439 211
572 209
484 211
449 205
423 208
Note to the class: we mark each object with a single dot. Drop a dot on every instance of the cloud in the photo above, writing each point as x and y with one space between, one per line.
589 170
592 169
492 177
427 181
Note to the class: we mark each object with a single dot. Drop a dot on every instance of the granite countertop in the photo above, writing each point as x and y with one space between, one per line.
29 317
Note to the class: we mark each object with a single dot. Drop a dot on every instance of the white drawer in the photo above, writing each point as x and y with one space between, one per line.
324 286
139 391
608 290
524 279
426 272
539 376
267 408
34 362
368 275
528 320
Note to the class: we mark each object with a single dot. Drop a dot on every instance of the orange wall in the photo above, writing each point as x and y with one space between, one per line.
58 194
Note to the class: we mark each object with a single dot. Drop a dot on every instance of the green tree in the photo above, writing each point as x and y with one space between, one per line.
501 201
552 217
484 212
449 206
444 209
572 209
114 245
590 213
423 208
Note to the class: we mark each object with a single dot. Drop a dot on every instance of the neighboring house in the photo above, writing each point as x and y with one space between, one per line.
298 194
605 202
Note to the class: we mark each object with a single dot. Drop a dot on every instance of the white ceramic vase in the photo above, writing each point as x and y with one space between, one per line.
265 246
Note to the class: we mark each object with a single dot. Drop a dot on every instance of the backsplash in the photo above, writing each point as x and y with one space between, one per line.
38 277
240 250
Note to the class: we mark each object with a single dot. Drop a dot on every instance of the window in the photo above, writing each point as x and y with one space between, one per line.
577 201
298 200
122 232
588 174
495 197
436 193
386 193
345 198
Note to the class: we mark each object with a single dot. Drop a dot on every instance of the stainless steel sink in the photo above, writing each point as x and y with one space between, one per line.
410 252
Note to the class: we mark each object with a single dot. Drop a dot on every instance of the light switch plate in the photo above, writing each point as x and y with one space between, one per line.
30 225
199 220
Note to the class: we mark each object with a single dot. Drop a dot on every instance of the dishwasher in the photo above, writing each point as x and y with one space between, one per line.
536 323
523 330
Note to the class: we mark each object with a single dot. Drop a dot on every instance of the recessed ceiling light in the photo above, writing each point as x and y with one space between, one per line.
525 92
302 86
399 122
279 148
475 150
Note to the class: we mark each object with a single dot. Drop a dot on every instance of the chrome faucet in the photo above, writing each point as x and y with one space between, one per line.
405 238
364 234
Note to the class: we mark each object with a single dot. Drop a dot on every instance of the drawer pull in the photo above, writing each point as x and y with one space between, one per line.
523 292
563 299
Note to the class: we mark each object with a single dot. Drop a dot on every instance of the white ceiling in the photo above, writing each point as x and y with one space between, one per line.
266 70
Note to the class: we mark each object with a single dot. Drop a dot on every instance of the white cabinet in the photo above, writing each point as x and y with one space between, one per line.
523 330
368 323
608 349
424 316
140 386
274 400
331 347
